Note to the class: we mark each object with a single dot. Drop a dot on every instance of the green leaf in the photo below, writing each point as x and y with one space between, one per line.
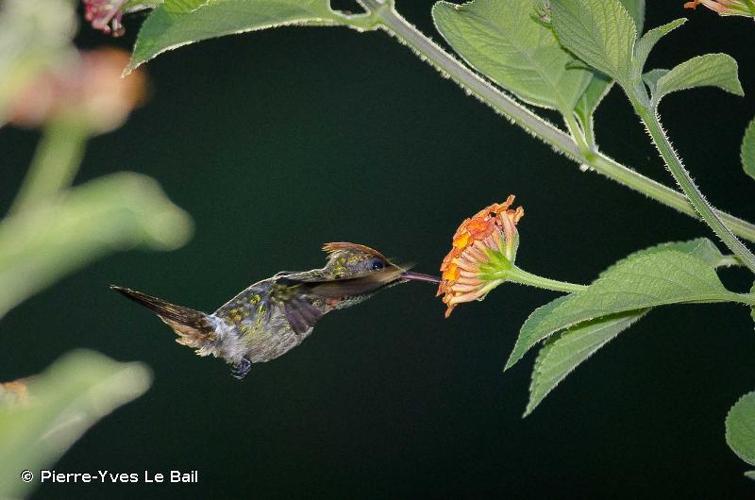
740 428
646 43
709 70
561 355
747 152
600 32
651 78
137 5
115 212
503 40
41 417
700 248
750 475
752 309
636 9
591 98
181 22
601 84
666 274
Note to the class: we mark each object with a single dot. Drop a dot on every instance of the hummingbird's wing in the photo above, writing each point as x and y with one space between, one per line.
302 297
345 287
301 314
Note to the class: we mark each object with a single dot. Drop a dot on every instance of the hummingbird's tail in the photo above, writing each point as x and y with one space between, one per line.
194 328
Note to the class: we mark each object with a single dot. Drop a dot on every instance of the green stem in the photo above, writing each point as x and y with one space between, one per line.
517 275
578 135
743 298
588 128
649 117
385 16
54 166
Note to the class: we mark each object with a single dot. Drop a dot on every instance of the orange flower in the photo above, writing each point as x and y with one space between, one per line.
726 7
483 243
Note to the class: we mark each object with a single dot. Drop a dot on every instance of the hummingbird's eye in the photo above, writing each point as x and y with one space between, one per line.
376 264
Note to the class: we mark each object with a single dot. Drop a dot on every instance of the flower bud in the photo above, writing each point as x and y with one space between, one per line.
105 15
482 245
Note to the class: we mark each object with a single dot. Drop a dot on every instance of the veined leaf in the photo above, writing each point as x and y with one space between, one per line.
748 150
600 32
601 84
740 428
666 274
561 355
636 9
181 22
709 70
503 40
646 43
752 309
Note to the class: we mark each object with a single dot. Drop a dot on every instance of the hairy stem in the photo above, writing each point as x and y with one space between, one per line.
650 118
744 298
54 166
386 17
517 275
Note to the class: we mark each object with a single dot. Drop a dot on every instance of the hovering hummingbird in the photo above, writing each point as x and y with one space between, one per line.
272 316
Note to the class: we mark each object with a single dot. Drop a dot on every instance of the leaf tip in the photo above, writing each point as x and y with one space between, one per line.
530 408
132 65
510 362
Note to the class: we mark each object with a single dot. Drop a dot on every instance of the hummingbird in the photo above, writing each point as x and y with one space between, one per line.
274 315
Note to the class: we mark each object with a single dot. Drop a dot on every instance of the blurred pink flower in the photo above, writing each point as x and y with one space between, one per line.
89 92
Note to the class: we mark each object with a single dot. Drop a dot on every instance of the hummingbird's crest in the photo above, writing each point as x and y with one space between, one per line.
336 246
350 260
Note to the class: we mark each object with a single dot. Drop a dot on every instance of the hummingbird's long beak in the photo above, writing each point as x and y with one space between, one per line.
412 276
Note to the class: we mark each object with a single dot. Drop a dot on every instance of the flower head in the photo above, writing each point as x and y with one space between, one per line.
89 91
484 243
726 7
105 15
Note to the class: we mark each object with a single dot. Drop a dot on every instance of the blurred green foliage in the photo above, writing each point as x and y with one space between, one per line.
54 229
55 408
33 36
111 213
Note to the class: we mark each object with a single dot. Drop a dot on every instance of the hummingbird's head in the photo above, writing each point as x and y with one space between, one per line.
349 260
354 272
346 260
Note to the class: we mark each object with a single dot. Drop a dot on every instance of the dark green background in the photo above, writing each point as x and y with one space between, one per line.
278 141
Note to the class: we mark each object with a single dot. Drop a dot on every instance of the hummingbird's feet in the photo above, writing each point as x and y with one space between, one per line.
241 369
